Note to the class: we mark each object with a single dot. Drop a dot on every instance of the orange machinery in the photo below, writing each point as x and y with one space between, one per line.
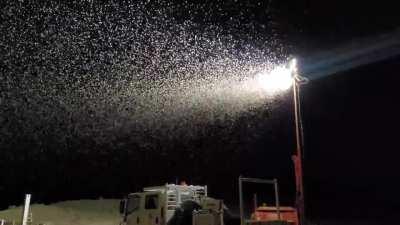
267 215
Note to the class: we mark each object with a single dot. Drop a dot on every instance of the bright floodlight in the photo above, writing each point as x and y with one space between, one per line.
279 79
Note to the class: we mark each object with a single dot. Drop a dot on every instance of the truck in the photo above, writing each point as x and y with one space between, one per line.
172 204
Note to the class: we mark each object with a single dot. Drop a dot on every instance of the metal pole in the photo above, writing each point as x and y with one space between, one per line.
277 203
241 201
255 202
298 155
26 209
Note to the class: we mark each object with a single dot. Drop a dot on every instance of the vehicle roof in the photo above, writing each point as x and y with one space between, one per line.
168 187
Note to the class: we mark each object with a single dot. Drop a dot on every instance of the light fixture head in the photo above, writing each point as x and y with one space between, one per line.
277 80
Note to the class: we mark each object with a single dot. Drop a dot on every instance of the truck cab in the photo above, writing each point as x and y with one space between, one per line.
144 208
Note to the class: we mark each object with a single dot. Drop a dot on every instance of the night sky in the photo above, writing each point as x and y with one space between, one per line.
68 129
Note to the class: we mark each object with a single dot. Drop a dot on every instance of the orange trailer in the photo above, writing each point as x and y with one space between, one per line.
265 214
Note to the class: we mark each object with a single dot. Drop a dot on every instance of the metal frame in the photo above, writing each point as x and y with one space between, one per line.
259 181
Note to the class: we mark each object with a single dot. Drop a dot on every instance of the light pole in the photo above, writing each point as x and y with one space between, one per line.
279 79
297 81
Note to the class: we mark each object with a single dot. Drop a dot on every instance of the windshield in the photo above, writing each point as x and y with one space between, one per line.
151 202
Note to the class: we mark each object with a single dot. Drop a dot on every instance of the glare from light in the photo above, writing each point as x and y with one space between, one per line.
277 80
293 65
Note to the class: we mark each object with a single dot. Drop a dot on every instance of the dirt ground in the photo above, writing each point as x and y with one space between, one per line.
80 212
